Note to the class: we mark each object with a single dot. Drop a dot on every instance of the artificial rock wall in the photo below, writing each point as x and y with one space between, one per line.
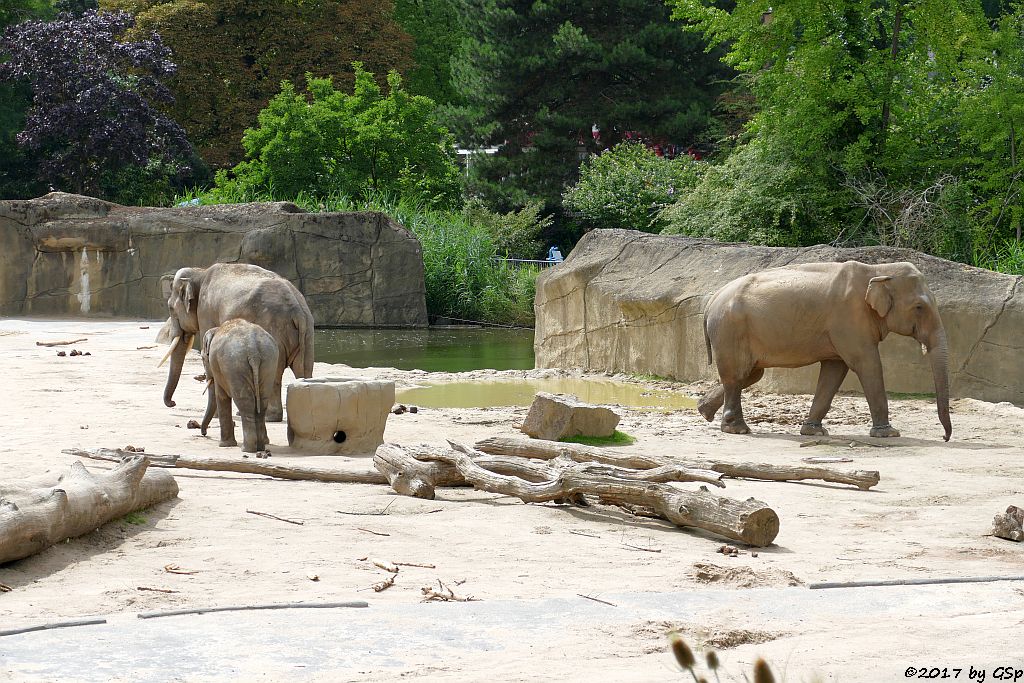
66 254
627 301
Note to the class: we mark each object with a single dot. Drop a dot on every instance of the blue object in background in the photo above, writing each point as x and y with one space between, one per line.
555 255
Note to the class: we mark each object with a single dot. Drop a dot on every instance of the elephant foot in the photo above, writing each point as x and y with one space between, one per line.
706 409
737 427
813 429
227 443
249 449
883 431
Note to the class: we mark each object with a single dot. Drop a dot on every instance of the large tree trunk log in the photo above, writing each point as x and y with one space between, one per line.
80 502
546 450
750 521
242 465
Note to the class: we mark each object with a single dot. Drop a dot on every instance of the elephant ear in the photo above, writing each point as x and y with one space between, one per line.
878 296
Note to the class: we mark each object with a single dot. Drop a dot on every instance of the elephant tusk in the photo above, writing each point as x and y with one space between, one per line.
167 355
209 383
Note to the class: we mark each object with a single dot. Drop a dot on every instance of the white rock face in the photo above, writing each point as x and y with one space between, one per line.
556 416
337 415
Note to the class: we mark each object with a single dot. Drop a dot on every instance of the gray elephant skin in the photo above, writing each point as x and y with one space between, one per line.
204 298
240 360
830 313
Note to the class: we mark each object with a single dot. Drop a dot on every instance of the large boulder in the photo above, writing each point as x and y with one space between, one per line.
66 254
627 301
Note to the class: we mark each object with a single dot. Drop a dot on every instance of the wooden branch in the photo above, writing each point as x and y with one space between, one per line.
546 450
78 503
61 343
243 465
750 521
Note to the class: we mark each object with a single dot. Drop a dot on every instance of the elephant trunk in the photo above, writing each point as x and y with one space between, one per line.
938 354
180 347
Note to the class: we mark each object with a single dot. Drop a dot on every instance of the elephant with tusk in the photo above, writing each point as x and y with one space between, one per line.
830 313
204 298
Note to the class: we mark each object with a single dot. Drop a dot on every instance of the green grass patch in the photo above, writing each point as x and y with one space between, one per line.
616 439
902 396
134 518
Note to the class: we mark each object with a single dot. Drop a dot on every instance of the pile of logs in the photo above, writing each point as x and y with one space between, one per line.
549 471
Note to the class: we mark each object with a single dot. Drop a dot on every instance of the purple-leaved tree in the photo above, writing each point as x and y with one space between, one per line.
94 93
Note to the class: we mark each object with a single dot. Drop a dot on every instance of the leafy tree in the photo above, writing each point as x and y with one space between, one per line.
16 166
759 194
434 26
92 98
75 7
629 185
539 77
232 56
330 142
516 234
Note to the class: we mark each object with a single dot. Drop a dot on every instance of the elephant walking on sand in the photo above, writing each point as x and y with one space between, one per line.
832 313
240 360
204 298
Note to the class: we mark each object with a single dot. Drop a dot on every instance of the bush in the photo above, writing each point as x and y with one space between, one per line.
628 186
516 234
333 143
757 195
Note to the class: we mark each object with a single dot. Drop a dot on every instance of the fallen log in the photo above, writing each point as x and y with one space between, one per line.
62 343
546 450
241 465
414 471
81 501
749 521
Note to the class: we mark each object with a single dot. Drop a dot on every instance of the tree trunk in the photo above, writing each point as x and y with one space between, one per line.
546 450
32 519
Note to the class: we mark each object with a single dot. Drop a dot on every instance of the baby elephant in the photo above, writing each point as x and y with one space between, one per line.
241 364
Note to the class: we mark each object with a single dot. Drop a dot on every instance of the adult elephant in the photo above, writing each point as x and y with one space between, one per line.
832 313
203 298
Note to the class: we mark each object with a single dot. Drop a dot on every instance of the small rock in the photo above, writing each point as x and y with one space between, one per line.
753 553
556 416
399 409
75 352
134 449
192 424
86 354
62 353
200 378
413 409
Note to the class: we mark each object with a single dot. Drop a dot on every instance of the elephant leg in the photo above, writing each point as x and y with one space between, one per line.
211 407
830 378
711 401
250 431
275 411
732 418
227 425
869 371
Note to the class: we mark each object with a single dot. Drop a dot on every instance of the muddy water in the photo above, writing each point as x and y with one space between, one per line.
520 392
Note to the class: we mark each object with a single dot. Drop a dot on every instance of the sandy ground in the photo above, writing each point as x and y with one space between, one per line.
929 517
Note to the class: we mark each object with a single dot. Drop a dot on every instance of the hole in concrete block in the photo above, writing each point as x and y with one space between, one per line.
339 437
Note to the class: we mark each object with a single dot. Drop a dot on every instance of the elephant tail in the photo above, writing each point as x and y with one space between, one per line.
707 340
254 366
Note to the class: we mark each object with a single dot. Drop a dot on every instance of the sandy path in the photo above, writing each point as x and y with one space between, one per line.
928 518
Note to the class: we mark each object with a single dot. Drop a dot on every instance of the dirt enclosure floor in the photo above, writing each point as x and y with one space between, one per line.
929 518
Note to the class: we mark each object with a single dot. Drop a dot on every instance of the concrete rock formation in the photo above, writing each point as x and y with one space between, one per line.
556 416
66 254
338 416
627 301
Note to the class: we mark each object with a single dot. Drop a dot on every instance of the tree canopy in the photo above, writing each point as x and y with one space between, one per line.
233 54
552 81
93 97
334 143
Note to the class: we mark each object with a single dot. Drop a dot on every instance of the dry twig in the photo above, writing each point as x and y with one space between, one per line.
444 595
267 514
